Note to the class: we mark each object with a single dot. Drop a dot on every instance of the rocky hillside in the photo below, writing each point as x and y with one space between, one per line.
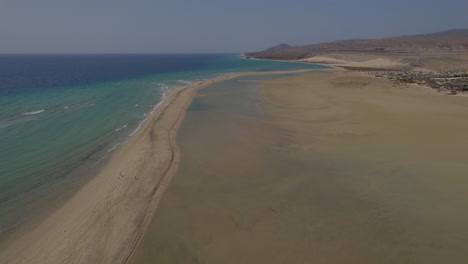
455 40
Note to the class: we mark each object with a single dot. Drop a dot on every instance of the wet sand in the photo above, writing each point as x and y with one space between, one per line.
332 167
104 221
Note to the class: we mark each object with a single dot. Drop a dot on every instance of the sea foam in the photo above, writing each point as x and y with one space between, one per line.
34 112
151 112
120 128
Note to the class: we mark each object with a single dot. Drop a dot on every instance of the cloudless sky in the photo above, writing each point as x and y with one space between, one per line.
212 26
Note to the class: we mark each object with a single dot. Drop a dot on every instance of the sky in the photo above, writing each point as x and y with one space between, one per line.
212 26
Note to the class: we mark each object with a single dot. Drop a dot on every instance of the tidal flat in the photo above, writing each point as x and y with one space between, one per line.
324 167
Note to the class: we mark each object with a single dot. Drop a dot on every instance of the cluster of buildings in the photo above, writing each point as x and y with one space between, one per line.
443 82
394 74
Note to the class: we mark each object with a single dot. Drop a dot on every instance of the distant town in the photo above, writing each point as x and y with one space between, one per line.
447 83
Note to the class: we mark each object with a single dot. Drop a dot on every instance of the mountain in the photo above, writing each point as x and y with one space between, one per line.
280 47
447 33
455 40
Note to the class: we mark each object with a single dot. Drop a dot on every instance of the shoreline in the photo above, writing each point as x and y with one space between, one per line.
368 72
104 221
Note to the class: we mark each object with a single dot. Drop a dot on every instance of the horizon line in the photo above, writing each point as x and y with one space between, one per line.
119 53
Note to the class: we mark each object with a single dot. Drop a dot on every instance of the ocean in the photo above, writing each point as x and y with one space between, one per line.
61 116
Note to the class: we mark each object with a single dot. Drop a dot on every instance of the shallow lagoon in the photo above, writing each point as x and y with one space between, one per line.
268 182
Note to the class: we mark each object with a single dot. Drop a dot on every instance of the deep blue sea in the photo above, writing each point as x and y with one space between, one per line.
62 115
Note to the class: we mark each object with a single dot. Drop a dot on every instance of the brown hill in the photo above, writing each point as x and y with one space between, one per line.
455 40
280 47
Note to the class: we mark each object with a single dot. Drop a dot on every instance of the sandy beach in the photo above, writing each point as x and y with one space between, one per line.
423 62
214 132
104 221
290 172
324 167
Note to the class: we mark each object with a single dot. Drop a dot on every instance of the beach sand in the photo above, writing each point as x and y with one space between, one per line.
325 167
424 62
104 221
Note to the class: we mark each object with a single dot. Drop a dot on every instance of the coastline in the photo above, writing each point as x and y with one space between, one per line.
105 220
375 67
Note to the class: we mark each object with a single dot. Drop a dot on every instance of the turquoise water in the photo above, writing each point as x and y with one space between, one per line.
52 138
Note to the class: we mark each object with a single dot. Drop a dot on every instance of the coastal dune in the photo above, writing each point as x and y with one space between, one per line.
104 221
376 63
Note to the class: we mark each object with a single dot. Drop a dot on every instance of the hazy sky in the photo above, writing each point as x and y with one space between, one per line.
115 26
